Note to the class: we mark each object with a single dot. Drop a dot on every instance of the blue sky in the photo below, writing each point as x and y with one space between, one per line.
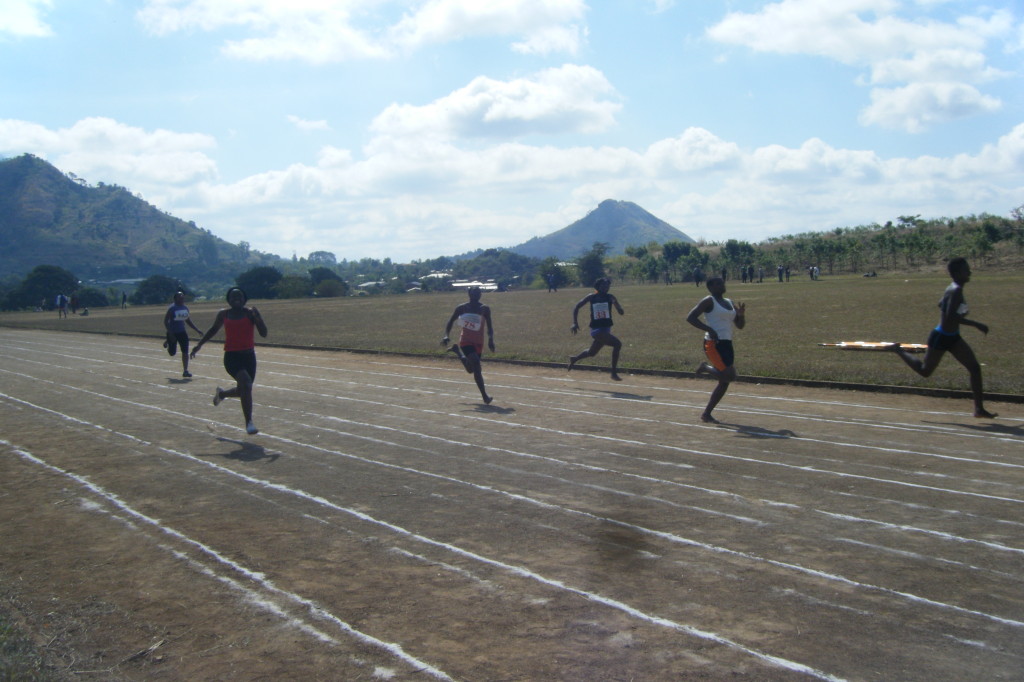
409 130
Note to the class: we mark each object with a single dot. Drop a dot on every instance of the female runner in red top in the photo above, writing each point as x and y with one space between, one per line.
239 323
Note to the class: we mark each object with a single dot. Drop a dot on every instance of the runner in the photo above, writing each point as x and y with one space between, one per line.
175 319
239 350
472 318
601 303
720 314
946 337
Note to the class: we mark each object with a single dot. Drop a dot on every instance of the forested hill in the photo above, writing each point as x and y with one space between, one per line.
101 232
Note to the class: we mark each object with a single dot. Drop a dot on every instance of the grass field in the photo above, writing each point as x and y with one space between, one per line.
785 324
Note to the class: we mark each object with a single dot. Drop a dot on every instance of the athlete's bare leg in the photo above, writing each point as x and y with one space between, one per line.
616 345
243 391
924 367
596 345
473 366
455 348
965 356
725 378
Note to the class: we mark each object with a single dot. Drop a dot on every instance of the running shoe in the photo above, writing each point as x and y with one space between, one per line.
218 396
251 429
187 374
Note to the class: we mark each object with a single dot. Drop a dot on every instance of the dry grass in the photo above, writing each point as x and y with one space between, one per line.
785 324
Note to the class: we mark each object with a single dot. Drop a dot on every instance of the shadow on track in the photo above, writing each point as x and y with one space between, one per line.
758 431
246 452
627 396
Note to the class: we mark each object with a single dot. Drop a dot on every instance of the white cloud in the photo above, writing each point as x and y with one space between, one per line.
324 31
935 65
694 150
941 66
306 125
24 18
566 99
101 149
546 25
918 106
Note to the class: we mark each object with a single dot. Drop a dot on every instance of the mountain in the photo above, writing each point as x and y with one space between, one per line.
616 223
103 232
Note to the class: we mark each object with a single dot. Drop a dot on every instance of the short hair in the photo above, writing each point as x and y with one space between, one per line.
715 278
601 280
245 296
956 264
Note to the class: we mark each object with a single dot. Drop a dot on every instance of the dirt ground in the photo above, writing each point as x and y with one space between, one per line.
385 524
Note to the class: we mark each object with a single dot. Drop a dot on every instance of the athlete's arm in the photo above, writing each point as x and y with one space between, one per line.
486 313
218 322
575 325
448 327
257 320
980 326
617 306
705 305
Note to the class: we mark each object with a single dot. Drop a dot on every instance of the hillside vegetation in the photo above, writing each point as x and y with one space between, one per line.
101 232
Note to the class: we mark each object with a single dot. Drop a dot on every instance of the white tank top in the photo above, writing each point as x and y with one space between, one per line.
720 319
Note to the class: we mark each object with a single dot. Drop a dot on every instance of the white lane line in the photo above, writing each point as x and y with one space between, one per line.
454 549
503 450
256 577
863 423
670 537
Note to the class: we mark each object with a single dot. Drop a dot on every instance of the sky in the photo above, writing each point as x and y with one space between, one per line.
423 128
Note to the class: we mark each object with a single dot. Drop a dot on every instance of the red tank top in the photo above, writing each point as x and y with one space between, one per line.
238 334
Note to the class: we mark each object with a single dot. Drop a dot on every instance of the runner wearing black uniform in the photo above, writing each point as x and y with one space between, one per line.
601 303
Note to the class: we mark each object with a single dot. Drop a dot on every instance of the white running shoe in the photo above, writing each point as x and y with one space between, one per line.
251 429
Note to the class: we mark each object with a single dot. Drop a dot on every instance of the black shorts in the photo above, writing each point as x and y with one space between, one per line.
175 339
237 360
941 341
720 353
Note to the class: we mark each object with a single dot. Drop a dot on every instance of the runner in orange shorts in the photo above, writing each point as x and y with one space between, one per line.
720 314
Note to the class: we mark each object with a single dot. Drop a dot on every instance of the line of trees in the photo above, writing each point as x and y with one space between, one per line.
909 242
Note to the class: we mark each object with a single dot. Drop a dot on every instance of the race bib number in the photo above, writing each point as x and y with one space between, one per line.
471 322
602 311
180 315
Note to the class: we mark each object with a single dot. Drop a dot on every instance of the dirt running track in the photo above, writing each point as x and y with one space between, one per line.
387 525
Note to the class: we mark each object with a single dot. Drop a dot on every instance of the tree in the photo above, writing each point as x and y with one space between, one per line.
331 288
674 253
156 289
293 286
206 249
320 274
259 282
549 268
41 285
91 297
591 264
322 258
1018 227
647 268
